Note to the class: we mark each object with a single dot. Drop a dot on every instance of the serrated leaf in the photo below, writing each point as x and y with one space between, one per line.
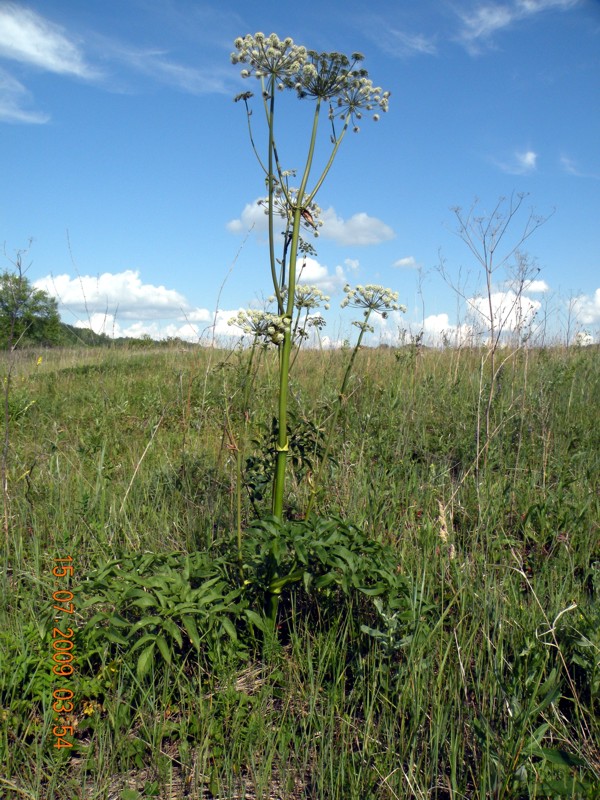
173 631
116 619
192 631
93 601
149 637
210 597
99 617
145 623
255 619
144 662
115 637
325 580
145 602
165 651
229 628
372 591
159 582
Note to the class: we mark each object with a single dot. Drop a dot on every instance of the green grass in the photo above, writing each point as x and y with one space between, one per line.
476 677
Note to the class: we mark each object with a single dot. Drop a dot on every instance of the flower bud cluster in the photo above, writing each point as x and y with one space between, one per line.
328 76
310 297
261 325
268 56
317 321
359 95
372 298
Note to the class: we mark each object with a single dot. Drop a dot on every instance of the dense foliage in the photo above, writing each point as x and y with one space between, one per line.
27 315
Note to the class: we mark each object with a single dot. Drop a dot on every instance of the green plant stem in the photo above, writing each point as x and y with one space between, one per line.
286 347
271 185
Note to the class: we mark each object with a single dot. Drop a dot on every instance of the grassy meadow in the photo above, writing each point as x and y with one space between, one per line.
438 618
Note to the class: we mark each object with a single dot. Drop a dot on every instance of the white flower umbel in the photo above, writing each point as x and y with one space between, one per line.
372 298
261 325
309 297
268 56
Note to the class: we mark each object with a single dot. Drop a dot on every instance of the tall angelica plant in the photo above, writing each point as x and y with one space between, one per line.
341 86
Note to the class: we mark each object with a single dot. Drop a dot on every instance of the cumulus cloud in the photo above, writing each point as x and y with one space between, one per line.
29 38
587 309
109 291
406 263
536 287
121 304
510 311
311 272
187 329
253 217
438 329
359 229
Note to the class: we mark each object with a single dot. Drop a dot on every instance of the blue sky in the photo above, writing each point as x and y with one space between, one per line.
127 164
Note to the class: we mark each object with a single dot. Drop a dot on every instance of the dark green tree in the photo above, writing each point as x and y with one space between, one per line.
28 316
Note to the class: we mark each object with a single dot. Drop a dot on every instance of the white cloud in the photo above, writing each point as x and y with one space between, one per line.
536 287
401 44
332 344
583 339
253 217
406 263
521 163
352 263
311 272
587 309
527 160
360 229
483 20
394 41
13 95
510 311
185 329
438 330
29 38
157 65
437 323
571 167
109 292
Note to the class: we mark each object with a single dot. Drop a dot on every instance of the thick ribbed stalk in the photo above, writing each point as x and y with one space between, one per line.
286 347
